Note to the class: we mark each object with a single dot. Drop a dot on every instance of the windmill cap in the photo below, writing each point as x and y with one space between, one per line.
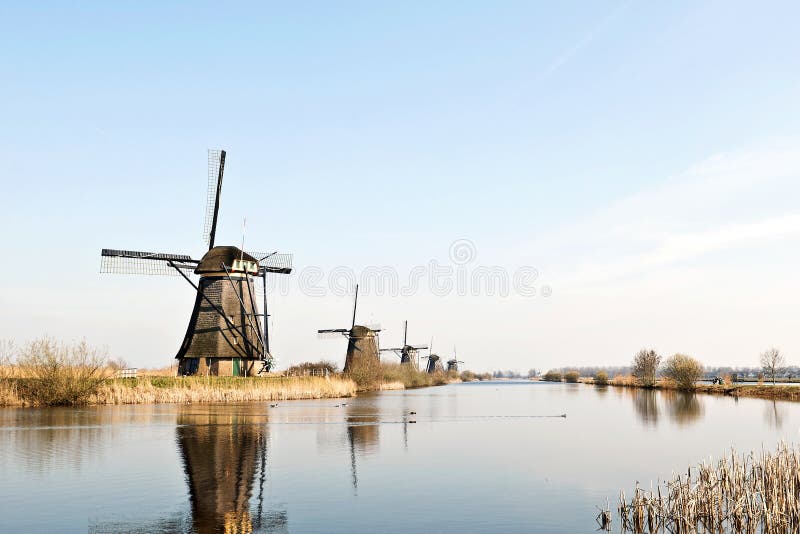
221 255
361 331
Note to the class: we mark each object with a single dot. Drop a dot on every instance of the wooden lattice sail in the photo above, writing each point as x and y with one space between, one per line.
227 334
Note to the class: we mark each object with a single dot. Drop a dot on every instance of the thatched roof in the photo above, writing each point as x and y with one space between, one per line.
218 255
361 331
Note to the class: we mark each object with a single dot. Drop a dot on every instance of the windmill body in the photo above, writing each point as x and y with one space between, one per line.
434 364
227 335
409 354
452 364
362 341
216 344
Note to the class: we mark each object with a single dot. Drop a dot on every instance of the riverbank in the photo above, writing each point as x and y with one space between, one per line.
22 391
161 389
761 391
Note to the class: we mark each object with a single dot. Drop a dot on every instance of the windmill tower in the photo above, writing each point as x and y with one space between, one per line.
434 364
452 364
226 333
362 341
408 353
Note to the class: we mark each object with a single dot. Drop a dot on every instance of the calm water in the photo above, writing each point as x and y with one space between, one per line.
480 457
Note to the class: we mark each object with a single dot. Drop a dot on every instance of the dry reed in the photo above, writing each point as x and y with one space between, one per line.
754 493
221 389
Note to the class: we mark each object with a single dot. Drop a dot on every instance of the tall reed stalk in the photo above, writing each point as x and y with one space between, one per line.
753 493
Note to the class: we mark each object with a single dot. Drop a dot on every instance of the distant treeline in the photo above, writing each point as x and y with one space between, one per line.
708 371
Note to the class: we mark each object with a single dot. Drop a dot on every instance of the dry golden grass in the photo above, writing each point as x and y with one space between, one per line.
8 394
220 389
386 386
623 380
169 370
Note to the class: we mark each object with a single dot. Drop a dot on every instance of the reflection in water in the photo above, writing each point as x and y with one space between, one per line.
684 408
645 401
774 414
224 454
44 439
220 455
363 433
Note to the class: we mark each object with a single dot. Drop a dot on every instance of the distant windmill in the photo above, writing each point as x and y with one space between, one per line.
362 340
408 353
434 362
224 336
452 365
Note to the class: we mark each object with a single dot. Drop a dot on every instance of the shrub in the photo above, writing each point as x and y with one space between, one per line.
552 376
601 378
572 377
468 376
320 368
644 367
58 374
410 376
366 372
684 370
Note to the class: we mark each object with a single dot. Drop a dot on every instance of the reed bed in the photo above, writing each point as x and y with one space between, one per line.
159 390
754 493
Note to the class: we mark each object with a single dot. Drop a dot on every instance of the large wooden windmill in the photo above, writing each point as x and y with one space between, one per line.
408 353
362 341
226 334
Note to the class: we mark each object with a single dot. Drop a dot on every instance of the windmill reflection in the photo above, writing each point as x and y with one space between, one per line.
223 455
363 434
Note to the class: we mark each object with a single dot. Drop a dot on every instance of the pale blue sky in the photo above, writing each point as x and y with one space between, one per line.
643 157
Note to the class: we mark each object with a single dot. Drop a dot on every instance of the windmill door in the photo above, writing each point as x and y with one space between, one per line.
237 371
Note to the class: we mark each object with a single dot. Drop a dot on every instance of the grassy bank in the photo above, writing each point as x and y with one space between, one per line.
409 377
46 372
155 390
761 391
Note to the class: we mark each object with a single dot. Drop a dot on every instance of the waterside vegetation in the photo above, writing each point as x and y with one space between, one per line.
683 372
49 373
758 492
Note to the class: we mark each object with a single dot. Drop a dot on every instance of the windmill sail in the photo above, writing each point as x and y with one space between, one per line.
139 262
272 262
216 168
226 334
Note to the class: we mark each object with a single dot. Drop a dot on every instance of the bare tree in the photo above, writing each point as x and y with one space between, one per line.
772 362
644 367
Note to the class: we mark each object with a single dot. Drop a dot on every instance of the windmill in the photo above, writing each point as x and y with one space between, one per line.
452 364
434 364
226 334
408 353
362 344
